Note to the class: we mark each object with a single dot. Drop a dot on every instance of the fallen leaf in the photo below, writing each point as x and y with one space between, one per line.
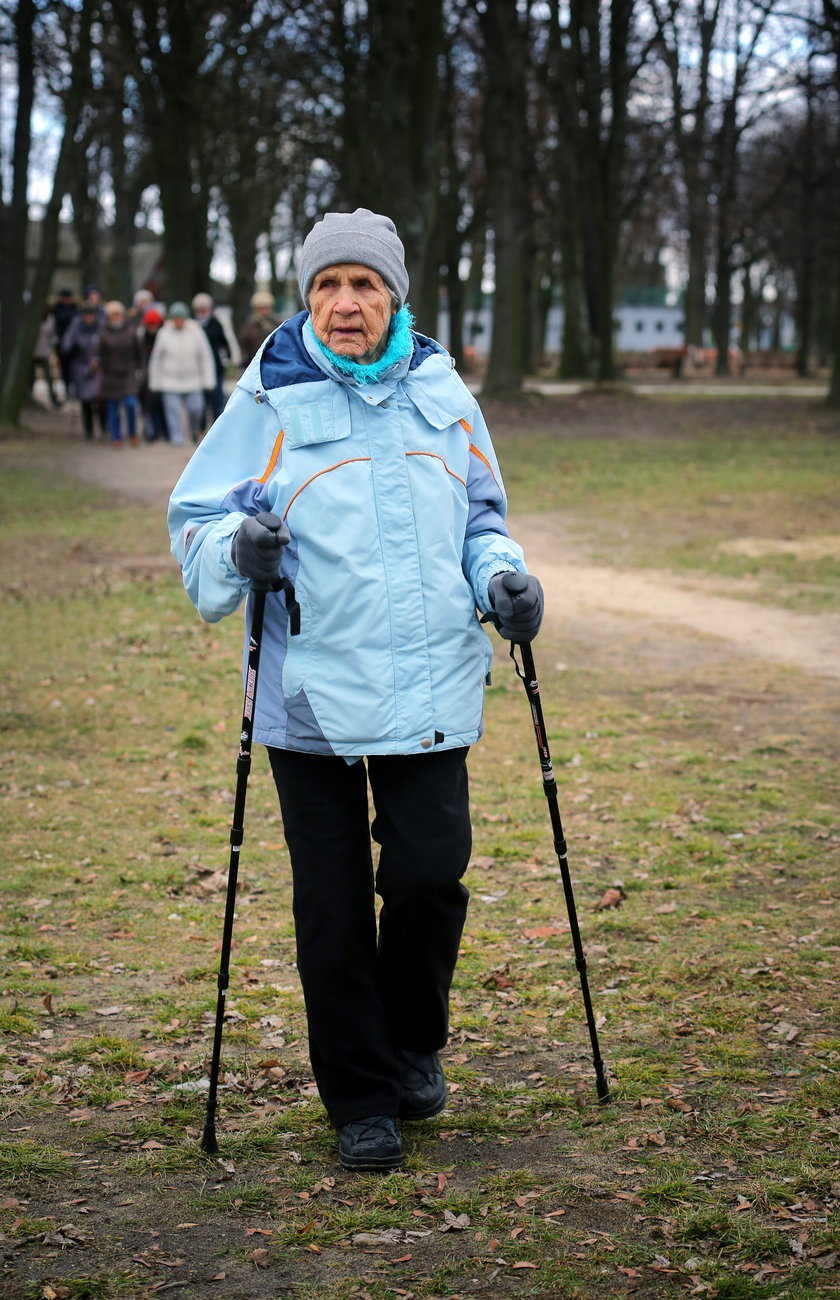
523 1263
612 897
136 1076
260 1258
454 1222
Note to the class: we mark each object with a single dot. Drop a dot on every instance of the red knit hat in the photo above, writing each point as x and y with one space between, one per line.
152 317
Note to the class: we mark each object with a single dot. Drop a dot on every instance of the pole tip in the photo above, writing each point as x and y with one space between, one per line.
208 1138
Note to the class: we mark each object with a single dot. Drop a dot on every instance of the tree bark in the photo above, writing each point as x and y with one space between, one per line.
506 153
831 14
604 80
167 66
16 378
691 135
722 311
14 215
389 56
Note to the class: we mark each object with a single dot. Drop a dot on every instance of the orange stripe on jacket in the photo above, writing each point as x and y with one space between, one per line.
481 456
468 427
273 461
329 470
262 479
435 456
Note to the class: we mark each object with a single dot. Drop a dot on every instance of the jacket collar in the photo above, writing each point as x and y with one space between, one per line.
286 358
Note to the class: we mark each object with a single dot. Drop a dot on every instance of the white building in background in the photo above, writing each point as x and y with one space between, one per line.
638 329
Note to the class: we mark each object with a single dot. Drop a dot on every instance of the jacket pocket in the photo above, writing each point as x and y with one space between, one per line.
325 417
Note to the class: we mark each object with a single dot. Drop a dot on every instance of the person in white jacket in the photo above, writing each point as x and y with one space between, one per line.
181 367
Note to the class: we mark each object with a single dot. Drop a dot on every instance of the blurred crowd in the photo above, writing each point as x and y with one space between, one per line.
146 372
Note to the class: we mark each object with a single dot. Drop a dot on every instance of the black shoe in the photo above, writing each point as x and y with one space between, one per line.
372 1143
423 1085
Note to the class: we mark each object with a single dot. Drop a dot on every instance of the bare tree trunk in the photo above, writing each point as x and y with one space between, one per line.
722 312
168 62
16 378
695 288
86 212
14 215
506 153
831 13
691 134
244 233
389 55
605 78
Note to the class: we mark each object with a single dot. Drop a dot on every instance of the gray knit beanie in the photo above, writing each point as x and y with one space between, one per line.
363 237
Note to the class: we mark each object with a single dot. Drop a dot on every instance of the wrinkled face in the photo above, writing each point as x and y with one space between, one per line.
115 315
179 322
351 310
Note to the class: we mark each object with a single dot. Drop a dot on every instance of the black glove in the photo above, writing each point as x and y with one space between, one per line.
517 599
257 548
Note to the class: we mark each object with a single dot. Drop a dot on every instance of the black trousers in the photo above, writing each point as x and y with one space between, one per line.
370 989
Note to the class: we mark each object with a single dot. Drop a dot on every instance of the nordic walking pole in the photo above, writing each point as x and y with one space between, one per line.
237 829
528 677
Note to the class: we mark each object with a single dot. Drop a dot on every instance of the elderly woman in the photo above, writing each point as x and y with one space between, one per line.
118 359
354 431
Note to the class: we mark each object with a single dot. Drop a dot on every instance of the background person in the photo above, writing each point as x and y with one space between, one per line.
258 326
65 311
42 359
78 347
151 403
181 368
214 398
389 518
142 301
118 358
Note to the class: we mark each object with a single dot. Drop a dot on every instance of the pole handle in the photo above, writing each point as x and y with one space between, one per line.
275 524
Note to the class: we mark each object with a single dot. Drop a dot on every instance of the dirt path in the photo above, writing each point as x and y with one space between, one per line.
807 641
575 590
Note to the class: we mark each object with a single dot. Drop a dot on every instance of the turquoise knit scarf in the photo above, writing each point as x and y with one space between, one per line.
400 344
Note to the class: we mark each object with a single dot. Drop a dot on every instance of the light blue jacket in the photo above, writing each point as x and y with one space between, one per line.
394 501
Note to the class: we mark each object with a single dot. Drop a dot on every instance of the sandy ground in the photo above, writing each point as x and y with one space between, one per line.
642 605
